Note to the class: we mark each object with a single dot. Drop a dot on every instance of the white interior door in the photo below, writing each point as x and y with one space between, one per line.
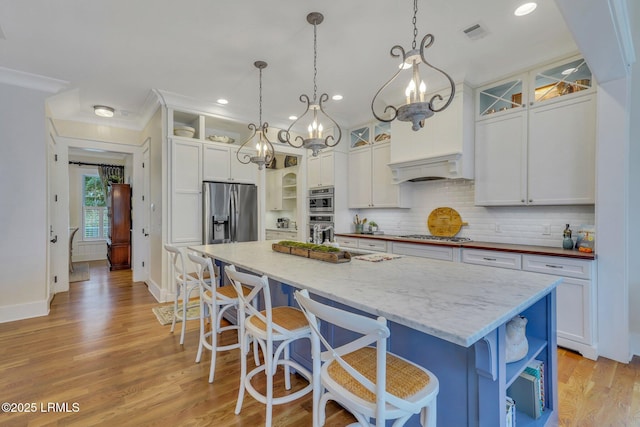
146 217
57 260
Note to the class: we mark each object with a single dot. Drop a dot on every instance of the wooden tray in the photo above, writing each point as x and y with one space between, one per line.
335 257
444 222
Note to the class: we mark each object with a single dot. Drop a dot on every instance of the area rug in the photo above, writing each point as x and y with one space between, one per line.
80 272
164 313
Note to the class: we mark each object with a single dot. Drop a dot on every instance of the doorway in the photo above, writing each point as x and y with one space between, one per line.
131 156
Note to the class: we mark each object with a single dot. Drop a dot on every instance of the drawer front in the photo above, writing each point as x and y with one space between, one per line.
568 267
372 245
444 253
492 258
347 242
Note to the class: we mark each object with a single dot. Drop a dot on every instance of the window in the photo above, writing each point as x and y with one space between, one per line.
95 221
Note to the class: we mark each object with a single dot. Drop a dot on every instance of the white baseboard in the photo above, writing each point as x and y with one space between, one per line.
155 290
9 313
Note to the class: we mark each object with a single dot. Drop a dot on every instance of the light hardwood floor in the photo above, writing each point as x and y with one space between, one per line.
102 349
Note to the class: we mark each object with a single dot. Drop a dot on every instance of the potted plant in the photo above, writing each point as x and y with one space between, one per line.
373 226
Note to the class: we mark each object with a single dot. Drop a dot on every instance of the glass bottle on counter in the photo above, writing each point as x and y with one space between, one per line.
567 242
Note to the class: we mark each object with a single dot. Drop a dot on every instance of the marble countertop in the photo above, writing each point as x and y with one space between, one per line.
292 230
456 302
502 247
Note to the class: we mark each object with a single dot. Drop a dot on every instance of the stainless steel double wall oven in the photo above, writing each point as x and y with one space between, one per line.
321 204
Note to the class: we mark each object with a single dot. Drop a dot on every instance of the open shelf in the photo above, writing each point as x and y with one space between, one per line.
536 345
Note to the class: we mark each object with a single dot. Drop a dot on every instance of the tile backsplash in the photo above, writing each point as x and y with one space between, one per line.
500 224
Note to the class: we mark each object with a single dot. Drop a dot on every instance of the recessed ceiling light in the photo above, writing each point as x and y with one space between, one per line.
222 101
336 97
569 71
293 117
103 111
525 9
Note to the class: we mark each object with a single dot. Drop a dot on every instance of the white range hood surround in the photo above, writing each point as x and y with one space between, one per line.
447 166
443 149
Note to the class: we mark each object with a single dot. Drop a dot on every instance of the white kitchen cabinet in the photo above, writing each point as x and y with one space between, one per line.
185 191
441 252
508 260
320 170
273 190
372 245
576 300
221 164
576 295
371 180
347 242
281 235
281 189
535 139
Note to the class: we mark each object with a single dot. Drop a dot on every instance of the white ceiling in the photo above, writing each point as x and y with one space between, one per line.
116 52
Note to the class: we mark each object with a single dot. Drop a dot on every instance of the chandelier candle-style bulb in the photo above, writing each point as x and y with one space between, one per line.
315 112
264 148
416 109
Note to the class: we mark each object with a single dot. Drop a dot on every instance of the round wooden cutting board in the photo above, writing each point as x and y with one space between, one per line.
444 222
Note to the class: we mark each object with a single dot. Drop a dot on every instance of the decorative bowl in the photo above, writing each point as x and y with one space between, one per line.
187 131
221 138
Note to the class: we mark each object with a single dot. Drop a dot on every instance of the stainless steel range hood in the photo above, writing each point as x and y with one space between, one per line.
448 166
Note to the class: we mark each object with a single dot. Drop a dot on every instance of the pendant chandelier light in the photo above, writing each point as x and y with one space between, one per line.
264 148
314 142
416 109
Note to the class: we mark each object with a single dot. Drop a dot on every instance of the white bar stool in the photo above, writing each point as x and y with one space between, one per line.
215 300
348 374
281 325
185 283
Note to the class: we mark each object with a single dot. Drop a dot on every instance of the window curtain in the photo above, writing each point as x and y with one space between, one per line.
110 173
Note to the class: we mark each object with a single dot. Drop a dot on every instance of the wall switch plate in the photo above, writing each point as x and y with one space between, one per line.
546 230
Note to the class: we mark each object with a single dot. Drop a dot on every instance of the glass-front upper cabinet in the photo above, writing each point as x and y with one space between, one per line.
381 132
502 96
559 80
360 137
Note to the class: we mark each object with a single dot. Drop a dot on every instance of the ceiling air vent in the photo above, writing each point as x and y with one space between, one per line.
475 32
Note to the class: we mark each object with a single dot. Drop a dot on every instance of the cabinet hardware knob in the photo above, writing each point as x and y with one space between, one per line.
522 200
489 259
553 266
530 200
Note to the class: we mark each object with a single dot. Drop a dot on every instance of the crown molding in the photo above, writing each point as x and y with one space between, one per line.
31 81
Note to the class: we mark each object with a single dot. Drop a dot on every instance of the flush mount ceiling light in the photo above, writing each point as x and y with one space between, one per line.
103 111
314 142
222 101
525 9
264 148
416 109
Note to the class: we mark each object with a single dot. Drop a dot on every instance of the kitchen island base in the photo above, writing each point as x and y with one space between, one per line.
448 318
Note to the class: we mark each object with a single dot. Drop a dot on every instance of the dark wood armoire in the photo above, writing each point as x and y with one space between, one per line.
119 238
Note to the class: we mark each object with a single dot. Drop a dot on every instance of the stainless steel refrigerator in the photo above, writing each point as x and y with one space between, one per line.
230 212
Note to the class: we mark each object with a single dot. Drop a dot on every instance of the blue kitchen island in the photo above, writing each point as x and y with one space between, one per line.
448 317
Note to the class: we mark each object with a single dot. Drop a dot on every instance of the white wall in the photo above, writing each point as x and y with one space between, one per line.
634 187
517 224
23 215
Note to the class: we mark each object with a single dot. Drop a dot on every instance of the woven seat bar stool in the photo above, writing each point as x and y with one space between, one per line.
215 300
271 326
369 382
185 284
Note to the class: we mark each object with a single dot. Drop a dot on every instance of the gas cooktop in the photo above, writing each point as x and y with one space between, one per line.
436 238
